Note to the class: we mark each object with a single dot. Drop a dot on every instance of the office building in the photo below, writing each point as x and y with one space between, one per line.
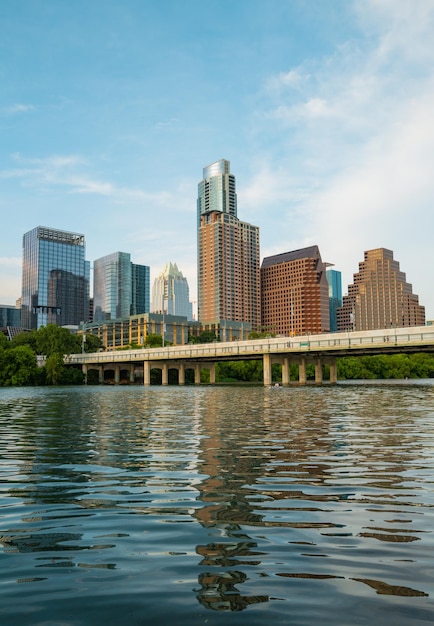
170 293
176 329
10 316
294 293
228 254
140 289
379 297
10 320
120 288
55 284
334 280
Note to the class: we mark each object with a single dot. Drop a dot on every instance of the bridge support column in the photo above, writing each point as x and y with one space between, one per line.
131 373
117 374
181 374
286 372
165 374
302 378
333 372
318 371
266 359
100 374
84 370
212 373
197 374
146 373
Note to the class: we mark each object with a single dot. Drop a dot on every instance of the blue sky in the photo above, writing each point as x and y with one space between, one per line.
109 110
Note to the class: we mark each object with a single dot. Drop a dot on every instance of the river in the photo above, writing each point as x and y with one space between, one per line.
217 505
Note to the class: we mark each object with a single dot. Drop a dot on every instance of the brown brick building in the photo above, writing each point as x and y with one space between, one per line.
379 297
294 293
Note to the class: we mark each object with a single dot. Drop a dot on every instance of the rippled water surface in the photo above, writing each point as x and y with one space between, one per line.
217 505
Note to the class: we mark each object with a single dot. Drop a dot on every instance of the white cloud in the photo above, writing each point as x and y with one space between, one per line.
362 131
19 108
293 79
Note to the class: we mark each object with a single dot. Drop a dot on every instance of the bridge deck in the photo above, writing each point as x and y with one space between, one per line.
388 341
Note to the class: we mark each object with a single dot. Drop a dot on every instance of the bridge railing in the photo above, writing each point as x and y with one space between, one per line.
418 335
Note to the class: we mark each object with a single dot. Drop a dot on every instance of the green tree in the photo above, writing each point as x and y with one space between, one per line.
54 368
52 339
92 343
17 366
206 336
26 338
3 341
154 341
261 334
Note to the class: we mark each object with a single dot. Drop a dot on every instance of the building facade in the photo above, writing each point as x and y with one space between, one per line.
55 279
120 288
334 280
380 296
171 294
10 316
140 289
228 254
295 293
175 329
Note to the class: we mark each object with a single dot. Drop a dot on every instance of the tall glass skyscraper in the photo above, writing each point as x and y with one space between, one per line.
55 285
170 293
140 289
228 253
334 279
120 288
216 191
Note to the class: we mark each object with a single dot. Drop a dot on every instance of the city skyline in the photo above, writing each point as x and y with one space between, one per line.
109 112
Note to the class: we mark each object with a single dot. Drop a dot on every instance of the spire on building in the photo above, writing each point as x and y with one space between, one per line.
170 293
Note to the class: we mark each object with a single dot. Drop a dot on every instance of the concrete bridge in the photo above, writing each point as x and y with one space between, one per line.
316 349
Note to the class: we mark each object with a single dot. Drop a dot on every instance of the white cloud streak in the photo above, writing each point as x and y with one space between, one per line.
18 108
362 130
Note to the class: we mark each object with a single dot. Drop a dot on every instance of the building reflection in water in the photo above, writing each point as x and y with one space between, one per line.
281 472
229 469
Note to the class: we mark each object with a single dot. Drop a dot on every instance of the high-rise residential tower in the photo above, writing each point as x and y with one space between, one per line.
228 253
120 289
216 191
294 293
379 297
55 285
170 293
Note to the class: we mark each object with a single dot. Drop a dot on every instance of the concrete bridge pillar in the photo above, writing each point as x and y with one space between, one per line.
318 371
146 373
84 370
181 374
286 372
131 373
117 374
197 374
333 372
302 378
266 359
212 373
100 374
165 373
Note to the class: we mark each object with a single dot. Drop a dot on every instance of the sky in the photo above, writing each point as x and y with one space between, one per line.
110 110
